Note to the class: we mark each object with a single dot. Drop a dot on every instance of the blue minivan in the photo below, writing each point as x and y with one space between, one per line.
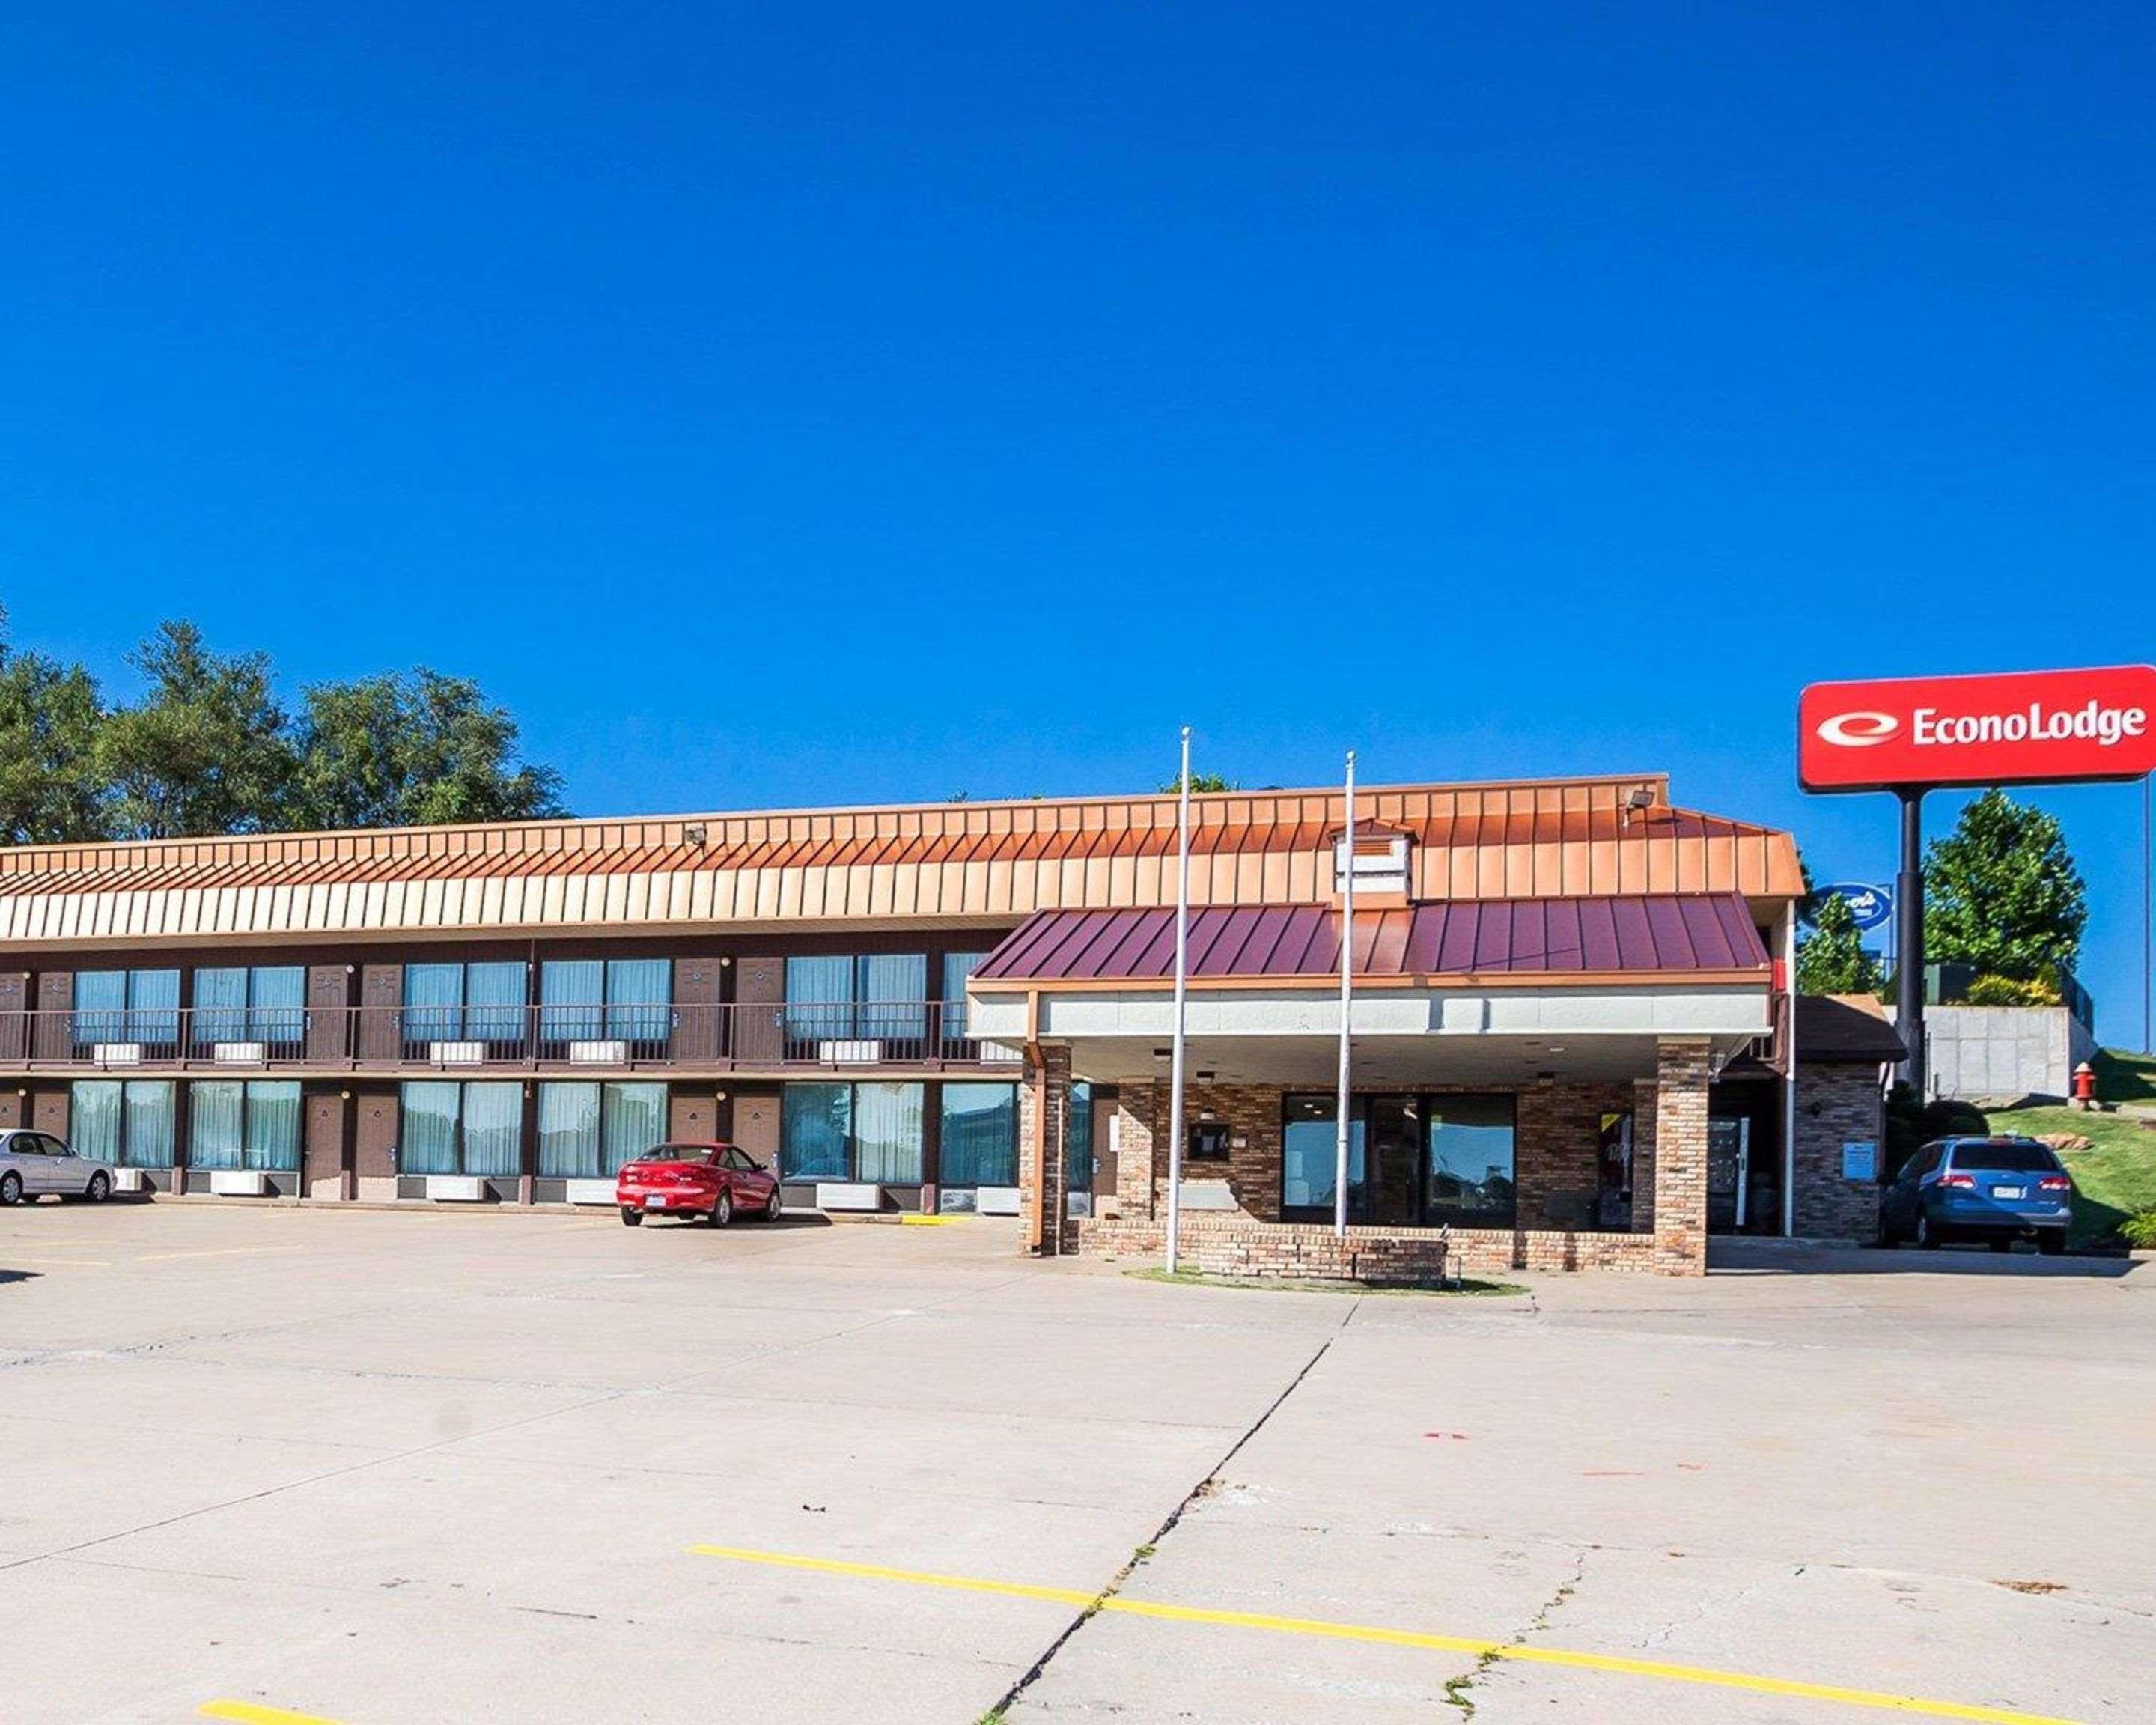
1998 1190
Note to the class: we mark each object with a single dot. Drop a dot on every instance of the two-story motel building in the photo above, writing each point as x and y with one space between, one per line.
1573 1042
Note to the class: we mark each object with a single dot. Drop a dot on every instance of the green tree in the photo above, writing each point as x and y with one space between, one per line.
2001 892
1201 783
206 751
1830 955
417 749
50 713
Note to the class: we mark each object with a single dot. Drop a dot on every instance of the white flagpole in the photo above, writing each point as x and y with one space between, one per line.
1182 989
1346 1000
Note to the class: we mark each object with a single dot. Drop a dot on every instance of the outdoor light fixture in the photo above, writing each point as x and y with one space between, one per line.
695 833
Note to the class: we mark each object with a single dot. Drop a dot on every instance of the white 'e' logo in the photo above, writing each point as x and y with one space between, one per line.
1858 731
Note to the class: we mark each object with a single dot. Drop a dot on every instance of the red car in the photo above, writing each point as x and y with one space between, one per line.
720 1181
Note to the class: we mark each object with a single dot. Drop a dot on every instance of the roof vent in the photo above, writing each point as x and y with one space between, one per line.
1382 864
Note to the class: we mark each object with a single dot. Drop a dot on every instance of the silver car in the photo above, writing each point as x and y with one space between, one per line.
32 1164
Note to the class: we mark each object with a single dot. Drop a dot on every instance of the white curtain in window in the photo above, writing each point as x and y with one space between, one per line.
494 1002
571 1001
568 1131
94 1119
217 1123
894 993
434 997
957 966
277 999
153 1001
273 1125
494 1125
427 1128
100 1005
152 1114
635 1120
820 995
640 999
887 1132
220 1005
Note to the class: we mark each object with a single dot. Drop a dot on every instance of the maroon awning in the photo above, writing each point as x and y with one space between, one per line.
1656 933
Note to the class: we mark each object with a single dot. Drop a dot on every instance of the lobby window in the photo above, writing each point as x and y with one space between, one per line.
1469 1179
878 997
464 1003
979 1134
1309 1159
262 1003
459 1128
232 1125
129 1125
587 1130
121 1006
1077 1138
870 1133
606 1000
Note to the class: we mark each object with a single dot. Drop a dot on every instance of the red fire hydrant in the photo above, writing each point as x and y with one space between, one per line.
2085 1087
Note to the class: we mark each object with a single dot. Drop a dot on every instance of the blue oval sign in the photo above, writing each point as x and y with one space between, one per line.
1869 906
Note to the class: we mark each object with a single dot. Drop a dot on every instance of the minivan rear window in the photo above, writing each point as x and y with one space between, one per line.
2009 1158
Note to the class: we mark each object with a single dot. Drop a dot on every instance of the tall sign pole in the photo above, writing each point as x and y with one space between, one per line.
1340 1111
1909 937
1182 995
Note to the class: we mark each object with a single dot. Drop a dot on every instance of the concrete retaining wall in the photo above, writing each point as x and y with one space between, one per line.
1981 1051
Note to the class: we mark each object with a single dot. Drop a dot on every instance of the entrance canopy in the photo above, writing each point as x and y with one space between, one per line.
1492 989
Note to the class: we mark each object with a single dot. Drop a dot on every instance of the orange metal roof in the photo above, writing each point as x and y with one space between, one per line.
1565 837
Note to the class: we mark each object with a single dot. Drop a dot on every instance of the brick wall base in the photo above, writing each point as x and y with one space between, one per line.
1220 1244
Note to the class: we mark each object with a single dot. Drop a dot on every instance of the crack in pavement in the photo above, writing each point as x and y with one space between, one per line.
1204 1488
1457 1688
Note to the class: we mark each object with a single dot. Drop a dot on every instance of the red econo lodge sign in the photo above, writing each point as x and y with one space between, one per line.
2026 727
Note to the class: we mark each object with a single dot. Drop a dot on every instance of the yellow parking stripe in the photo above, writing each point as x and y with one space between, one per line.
1515 1651
216 1252
249 1712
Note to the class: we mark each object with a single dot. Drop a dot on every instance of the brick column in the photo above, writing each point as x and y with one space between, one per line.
1680 1082
1643 1092
1137 1184
1043 1116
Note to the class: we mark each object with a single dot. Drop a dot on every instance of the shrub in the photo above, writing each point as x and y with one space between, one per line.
2013 991
2140 1230
1910 1125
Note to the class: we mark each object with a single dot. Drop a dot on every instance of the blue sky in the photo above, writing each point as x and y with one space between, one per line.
825 403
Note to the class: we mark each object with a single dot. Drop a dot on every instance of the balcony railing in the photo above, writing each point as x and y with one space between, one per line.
811 1035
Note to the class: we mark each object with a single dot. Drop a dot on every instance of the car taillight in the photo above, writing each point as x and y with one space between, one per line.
1966 1181
2055 1182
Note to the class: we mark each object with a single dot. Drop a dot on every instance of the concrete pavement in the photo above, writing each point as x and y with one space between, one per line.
371 1467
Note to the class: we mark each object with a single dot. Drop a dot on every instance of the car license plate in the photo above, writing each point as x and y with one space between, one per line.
654 1201
2009 1191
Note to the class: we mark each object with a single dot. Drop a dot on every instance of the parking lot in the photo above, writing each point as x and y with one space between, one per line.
282 1463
